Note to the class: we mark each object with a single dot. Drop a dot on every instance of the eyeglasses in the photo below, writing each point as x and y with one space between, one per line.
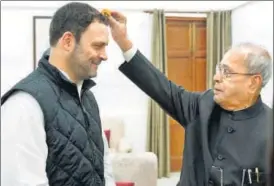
225 72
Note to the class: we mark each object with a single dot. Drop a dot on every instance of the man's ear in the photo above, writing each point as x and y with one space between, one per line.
256 83
67 41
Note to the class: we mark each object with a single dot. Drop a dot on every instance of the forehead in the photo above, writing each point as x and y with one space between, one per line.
234 59
96 31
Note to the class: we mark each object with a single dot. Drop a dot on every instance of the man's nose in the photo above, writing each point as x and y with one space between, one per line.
217 77
103 55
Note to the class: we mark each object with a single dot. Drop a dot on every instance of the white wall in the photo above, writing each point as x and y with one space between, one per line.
254 23
115 94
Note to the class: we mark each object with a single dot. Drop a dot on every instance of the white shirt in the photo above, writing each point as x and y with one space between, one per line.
23 141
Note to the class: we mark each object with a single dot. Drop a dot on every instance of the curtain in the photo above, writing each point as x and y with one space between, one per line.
158 128
219 40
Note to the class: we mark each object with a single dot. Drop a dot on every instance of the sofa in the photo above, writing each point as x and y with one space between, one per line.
137 167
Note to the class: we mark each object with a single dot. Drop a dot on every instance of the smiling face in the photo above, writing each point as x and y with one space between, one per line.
86 55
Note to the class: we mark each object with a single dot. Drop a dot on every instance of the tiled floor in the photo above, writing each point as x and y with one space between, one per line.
171 181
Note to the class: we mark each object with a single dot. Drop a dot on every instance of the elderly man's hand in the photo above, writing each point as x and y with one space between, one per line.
118 28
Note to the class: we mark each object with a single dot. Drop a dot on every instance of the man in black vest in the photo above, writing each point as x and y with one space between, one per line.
227 128
51 129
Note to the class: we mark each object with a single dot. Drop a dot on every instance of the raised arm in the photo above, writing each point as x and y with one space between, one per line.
179 103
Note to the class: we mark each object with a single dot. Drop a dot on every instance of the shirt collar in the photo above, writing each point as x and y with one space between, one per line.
249 112
78 84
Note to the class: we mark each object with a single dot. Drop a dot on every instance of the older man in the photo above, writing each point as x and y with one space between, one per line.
227 128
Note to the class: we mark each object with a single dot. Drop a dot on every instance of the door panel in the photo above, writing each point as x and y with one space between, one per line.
186 64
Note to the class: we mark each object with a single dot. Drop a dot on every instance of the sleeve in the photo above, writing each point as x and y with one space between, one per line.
179 103
128 55
23 142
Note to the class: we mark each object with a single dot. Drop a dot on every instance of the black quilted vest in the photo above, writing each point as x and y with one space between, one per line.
73 127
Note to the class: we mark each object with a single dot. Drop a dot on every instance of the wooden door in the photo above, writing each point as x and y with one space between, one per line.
186 59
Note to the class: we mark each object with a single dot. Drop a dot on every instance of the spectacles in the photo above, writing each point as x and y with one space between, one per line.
225 72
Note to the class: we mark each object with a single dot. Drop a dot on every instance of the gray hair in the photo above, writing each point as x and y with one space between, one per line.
257 60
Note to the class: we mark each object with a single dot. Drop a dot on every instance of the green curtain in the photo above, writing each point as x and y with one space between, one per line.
219 40
158 128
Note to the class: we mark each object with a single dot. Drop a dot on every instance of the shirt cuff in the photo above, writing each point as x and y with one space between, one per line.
128 55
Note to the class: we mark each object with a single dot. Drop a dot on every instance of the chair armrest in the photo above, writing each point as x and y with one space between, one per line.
140 168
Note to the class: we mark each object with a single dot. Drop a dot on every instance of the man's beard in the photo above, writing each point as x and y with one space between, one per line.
75 65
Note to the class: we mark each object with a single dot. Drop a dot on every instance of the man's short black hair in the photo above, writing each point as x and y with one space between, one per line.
73 17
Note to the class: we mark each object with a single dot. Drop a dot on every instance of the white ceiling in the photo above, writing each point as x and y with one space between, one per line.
134 5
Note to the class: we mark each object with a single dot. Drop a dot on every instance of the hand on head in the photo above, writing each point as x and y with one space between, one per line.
117 22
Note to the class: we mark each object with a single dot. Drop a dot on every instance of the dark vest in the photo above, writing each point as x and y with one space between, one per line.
73 127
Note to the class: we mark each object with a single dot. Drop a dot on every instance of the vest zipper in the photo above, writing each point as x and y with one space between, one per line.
83 110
